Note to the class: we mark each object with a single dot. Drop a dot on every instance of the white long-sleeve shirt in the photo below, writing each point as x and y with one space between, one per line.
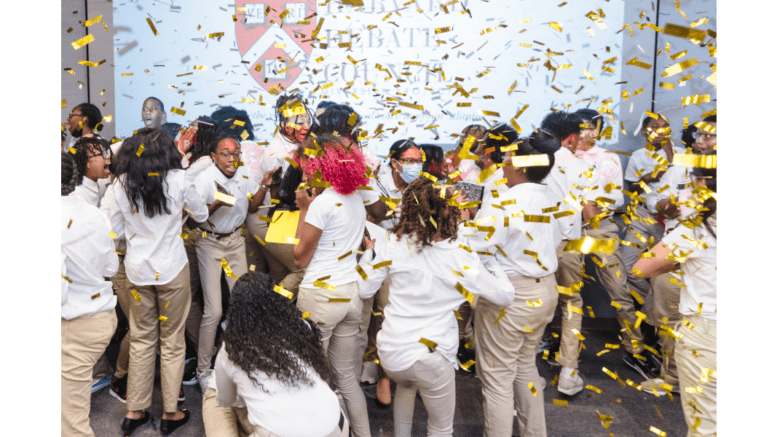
87 258
529 231
423 295
155 252
304 411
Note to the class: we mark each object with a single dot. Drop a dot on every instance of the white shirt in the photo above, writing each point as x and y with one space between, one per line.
195 168
87 249
678 180
226 219
609 168
568 171
645 160
303 411
700 268
370 196
342 231
423 296
514 239
105 208
275 156
89 191
154 246
385 186
488 185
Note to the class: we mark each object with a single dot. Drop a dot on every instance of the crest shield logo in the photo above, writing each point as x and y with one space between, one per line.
269 35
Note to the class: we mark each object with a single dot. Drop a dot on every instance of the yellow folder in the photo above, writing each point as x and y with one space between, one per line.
283 227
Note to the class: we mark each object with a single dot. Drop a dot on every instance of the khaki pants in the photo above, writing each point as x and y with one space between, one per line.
210 252
172 301
224 421
123 296
506 354
666 305
567 275
254 253
630 254
695 351
84 340
434 379
339 324
279 257
360 344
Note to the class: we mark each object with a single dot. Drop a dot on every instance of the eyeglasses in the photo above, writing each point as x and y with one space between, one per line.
410 161
704 136
74 115
106 153
226 155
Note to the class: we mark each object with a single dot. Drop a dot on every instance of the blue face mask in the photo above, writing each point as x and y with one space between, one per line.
410 172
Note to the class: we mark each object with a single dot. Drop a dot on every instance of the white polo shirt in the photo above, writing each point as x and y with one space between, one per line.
645 161
700 268
519 236
571 176
226 219
341 220
609 168
423 296
155 252
87 258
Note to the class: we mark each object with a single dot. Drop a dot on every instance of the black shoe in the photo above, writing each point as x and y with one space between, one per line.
644 368
128 426
553 352
169 426
118 388
190 372
653 359
181 395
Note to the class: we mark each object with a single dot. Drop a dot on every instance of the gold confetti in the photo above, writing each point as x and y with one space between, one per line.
178 111
306 314
283 292
692 160
429 343
695 35
135 295
679 67
82 42
637 63
560 402
530 161
153 29
533 390
227 270
67 279
592 388
657 431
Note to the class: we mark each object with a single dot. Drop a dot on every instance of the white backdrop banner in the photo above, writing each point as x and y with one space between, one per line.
421 69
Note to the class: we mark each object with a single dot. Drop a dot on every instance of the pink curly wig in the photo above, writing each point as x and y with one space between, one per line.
342 166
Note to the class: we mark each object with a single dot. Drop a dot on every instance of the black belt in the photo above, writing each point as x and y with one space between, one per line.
219 235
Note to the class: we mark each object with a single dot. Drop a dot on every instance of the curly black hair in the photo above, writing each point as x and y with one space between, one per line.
208 134
266 334
225 117
86 147
69 173
421 203
562 124
147 192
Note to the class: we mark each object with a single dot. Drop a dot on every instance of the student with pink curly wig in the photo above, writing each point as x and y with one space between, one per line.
332 220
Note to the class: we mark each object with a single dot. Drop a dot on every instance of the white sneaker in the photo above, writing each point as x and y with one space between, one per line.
369 373
658 387
569 382
204 379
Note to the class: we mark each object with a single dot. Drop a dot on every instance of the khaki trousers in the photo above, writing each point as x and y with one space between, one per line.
279 257
567 275
210 252
84 340
360 348
123 296
254 253
171 301
630 254
224 421
666 312
434 379
506 354
696 351
339 324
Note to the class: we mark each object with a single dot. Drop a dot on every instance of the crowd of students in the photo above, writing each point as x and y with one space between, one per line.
330 254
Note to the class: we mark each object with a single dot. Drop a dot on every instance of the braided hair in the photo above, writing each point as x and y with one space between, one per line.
92 116
421 203
208 134
69 173
281 104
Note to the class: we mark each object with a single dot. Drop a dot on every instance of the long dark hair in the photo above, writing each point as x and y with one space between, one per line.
85 148
421 203
159 156
287 191
266 334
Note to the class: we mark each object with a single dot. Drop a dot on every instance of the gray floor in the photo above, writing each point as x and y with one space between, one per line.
633 412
